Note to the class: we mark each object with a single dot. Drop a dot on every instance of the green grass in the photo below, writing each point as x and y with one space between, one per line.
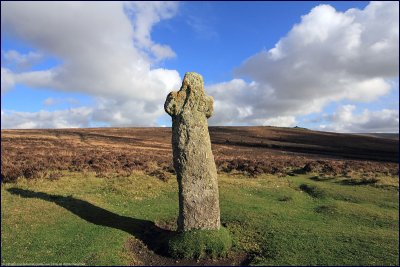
198 244
294 220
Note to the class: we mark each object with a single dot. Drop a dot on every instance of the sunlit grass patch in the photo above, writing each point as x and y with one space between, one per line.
83 219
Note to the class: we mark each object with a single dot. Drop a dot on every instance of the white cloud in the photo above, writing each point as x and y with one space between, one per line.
123 112
69 118
21 61
162 51
145 15
280 121
50 101
103 53
328 57
344 120
7 80
39 79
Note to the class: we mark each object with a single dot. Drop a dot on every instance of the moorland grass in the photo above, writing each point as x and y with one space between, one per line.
83 219
198 244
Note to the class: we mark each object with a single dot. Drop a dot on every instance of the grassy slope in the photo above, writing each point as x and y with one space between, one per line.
268 217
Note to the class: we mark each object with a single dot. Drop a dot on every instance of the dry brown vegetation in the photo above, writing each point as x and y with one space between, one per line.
249 150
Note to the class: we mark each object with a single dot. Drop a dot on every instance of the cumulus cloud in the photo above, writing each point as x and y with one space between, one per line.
69 118
105 50
51 101
21 61
145 15
329 56
344 120
7 80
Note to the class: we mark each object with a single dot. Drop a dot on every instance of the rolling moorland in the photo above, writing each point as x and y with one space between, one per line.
289 196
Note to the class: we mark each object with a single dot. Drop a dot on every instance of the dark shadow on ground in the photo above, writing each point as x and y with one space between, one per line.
152 250
152 236
363 181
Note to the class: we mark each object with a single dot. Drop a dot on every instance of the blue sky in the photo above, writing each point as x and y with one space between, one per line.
329 66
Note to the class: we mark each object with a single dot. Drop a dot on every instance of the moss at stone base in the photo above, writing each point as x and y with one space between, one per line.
198 244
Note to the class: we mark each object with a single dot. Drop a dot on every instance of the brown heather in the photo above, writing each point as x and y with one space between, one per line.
249 150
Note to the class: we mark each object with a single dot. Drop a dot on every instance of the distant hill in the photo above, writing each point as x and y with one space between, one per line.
252 150
308 142
231 140
394 136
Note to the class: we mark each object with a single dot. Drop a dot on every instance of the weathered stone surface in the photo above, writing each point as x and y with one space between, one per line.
193 159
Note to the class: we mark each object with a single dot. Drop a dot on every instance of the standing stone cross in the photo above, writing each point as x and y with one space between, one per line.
194 162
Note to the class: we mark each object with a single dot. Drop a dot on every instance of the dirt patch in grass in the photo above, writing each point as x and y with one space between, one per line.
361 181
322 178
328 209
313 190
141 255
285 198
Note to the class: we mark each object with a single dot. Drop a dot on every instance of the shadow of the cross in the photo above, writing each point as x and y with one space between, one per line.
152 236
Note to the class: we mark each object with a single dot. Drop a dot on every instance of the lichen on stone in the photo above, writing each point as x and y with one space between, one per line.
194 162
